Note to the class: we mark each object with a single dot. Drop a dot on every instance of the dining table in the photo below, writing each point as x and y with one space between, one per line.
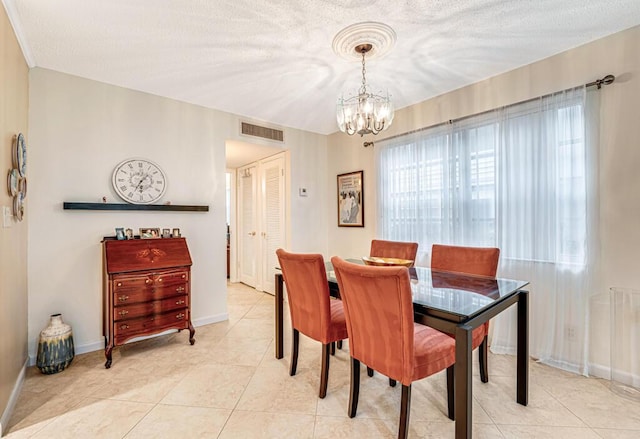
456 304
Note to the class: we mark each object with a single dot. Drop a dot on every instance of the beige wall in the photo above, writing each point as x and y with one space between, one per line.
80 130
14 95
619 154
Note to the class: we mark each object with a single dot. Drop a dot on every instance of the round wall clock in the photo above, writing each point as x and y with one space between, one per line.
139 181
20 155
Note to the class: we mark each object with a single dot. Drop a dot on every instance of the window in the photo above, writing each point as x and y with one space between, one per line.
513 178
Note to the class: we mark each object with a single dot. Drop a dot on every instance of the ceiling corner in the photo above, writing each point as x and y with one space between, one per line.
12 13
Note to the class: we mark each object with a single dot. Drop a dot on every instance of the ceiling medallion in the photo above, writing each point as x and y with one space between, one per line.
363 111
381 37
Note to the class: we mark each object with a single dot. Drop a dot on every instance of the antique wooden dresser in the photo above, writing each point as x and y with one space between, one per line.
146 289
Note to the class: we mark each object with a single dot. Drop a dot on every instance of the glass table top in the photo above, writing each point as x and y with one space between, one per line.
454 296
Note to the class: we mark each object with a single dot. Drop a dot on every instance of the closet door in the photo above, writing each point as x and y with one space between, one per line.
248 225
272 187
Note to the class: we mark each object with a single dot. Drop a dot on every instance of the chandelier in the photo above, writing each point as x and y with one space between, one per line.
364 112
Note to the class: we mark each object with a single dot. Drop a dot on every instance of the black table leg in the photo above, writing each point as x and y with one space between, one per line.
523 348
279 309
462 384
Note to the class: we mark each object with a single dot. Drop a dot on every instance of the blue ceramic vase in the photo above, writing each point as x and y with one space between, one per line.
55 346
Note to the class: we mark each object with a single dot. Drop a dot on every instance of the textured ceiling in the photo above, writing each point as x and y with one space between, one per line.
273 61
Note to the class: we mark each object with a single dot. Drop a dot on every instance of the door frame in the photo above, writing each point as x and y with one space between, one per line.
233 238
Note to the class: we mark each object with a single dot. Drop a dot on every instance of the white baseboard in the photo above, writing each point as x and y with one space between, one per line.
99 345
600 371
211 319
13 398
78 348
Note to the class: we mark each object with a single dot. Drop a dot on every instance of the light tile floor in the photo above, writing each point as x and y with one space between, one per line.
229 385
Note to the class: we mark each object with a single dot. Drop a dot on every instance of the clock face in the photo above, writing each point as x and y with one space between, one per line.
139 181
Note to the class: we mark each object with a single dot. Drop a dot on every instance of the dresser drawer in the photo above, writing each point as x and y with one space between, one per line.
134 310
125 329
149 280
127 296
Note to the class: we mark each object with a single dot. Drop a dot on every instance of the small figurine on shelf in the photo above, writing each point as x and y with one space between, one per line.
104 199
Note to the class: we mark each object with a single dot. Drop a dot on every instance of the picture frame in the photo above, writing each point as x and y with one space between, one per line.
120 233
166 233
129 233
351 199
149 233
175 233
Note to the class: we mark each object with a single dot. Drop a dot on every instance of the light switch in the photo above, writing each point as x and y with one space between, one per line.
7 217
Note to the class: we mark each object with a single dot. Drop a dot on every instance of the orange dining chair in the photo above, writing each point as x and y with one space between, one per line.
394 249
378 306
313 312
470 260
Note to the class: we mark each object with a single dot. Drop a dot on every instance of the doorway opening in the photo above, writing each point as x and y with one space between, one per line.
257 193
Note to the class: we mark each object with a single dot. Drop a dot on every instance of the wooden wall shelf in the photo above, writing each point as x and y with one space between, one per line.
68 205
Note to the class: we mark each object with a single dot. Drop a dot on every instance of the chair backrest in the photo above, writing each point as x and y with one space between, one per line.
305 277
394 249
481 261
378 308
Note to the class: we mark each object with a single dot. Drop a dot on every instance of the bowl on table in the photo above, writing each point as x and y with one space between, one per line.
386 262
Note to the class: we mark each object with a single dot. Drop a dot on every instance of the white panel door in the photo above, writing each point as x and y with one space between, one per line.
248 225
273 218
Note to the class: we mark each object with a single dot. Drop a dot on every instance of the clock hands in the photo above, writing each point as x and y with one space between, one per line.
143 177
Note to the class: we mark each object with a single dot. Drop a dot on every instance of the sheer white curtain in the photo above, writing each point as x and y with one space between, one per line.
523 179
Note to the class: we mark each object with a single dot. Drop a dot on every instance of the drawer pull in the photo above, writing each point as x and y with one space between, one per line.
123 298
124 312
184 276
180 316
124 326
180 290
119 284
160 279
180 302
148 281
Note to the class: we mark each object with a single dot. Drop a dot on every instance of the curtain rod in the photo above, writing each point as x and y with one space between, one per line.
608 79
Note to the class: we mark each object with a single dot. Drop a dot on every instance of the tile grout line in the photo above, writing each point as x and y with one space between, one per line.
255 369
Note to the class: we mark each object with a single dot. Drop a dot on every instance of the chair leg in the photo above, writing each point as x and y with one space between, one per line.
324 373
392 382
482 354
333 348
405 409
369 371
339 344
355 387
450 393
294 352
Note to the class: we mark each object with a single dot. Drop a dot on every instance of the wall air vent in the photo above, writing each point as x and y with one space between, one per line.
264 132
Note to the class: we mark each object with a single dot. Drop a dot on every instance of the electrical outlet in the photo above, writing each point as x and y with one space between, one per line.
302 191
7 217
571 333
